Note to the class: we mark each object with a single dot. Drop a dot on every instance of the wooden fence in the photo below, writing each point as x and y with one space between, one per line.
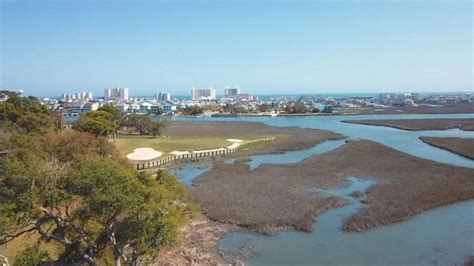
194 155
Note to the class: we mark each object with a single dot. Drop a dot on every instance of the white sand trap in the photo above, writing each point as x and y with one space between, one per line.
235 140
144 154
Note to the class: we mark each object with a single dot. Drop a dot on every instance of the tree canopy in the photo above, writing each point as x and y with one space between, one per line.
108 120
98 122
75 190
192 110
26 115
144 124
296 107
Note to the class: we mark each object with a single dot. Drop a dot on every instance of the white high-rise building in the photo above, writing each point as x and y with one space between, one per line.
231 91
116 94
163 96
203 94
123 94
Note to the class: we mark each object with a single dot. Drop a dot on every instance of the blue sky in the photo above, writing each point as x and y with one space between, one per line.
52 47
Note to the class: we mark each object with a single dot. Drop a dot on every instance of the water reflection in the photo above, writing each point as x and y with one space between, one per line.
187 173
441 236
294 156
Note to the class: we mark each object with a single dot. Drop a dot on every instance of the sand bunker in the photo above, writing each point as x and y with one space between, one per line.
144 154
235 140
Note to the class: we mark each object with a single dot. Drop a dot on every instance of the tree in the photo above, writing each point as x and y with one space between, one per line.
89 203
192 110
144 124
74 189
295 107
117 117
99 123
26 115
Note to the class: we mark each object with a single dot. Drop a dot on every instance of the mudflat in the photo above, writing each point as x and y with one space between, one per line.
282 195
287 138
449 108
466 124
461 146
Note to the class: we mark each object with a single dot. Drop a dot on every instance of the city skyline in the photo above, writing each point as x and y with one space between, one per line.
320 47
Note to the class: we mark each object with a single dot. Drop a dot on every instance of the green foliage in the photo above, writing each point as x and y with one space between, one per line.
75 190
72 190
26 115
192 110
231 108
31 256
114 111
99 123
144 124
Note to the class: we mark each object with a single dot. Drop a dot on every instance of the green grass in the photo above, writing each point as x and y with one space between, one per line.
127 143
168 144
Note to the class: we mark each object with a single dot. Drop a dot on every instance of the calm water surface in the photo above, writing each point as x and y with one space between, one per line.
442 236
406 141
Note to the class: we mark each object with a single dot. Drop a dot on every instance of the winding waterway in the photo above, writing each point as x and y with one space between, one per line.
443 236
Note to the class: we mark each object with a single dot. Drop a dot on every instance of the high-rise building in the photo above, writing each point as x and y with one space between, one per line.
231 91
116 94
203 94
163 96
123 94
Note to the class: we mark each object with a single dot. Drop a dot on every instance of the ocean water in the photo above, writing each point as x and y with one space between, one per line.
441 236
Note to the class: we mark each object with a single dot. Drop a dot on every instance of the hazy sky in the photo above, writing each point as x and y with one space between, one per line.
52 47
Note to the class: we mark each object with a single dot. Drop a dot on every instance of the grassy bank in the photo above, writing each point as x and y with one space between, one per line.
461 146
466 124
213 135
127 143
